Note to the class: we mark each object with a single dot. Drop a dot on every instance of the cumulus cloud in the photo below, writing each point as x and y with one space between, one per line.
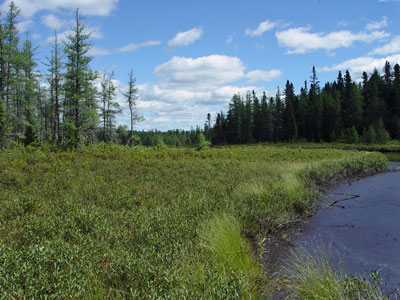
259 75
267 25
86 7
377 25
132 46
392 47
189 88
206 70
301 40
183 39
361 64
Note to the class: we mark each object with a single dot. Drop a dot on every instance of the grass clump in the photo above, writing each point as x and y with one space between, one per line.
312 276
230 252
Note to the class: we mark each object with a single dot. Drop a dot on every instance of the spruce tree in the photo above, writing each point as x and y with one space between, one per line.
30 84
131 97
3 124
290 126
278 118
110 107
55 64
80 92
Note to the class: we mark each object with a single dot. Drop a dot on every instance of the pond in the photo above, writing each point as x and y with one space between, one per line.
359 222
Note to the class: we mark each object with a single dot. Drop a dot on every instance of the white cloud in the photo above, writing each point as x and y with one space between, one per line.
377 25
24 25
259 75
361 64
230 38
262 27
392 47
86 7
388 0
189 88
206 70
300 40
182 39
132 46
97 51
53 22
95 33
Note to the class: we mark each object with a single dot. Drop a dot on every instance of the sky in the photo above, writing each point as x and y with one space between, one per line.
190 57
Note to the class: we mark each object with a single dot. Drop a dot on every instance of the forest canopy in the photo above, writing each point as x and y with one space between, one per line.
70 104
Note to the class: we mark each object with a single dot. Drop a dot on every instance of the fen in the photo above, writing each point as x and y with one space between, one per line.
113 222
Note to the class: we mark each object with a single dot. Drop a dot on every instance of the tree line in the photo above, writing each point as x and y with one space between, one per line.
63 105
342 110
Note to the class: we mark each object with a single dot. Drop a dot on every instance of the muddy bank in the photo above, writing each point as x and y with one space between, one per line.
360 223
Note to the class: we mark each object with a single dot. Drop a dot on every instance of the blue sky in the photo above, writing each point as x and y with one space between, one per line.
190 57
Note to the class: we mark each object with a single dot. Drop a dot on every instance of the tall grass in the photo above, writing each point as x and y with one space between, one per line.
313 275
230 252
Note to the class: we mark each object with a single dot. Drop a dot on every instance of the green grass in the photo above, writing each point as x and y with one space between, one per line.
312 276
118 223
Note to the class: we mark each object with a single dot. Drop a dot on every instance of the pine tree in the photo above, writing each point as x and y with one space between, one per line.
235 120
351 104
80 92
3 124
131 97
248 123
382 136
11 54
55 64
30 84
290 125
302 114
109 106
279 134
257 118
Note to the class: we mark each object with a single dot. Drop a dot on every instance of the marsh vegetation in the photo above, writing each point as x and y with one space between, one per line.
113 222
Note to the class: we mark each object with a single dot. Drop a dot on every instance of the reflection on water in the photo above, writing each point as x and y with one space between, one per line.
393 156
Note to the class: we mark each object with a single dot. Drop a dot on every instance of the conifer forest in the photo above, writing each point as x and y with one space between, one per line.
63 106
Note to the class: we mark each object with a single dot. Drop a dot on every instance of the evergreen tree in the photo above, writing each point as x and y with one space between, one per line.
351 104
109 106
278 118
131 97
30 84
302 114
290 125
258 118
248 123
80 92
3 124
382 136
374 104
55 64
235 120
11 56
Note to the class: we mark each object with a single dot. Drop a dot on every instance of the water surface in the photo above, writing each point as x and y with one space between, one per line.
361 222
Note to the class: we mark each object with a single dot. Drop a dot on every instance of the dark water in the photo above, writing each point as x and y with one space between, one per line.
361 223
